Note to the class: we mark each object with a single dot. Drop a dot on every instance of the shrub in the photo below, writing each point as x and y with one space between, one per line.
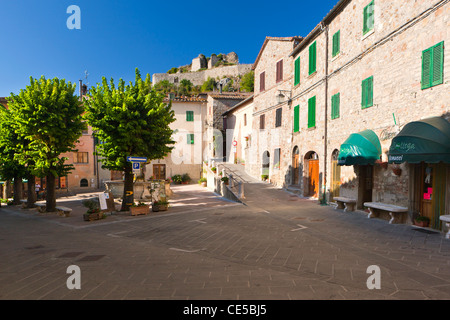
224 179
92 205
185 178
264 176
202 180
177 178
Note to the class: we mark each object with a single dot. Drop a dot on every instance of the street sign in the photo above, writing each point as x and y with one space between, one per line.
136 159
234 143
136 165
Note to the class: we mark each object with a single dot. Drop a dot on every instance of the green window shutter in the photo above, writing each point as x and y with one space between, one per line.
438 65
364 94
312 58
296 118
190 138
312 112
189 115
368 18
369 92
297 72
426 68
336 43
335 102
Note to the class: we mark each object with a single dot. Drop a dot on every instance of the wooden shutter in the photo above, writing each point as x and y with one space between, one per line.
262 120
312 58
368 18
296 118
336 43
189 115
279 75
370 92
438 64
335 105
278 117
190 138
262 81
297 71
364 94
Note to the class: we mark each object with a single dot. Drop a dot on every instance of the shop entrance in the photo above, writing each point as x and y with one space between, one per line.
365 185
335 175
295 166
312 169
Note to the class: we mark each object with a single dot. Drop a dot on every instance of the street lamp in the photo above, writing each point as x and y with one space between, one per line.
282 94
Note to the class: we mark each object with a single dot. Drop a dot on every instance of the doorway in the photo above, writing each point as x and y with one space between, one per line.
365 185
335 175
265 163
295 166
312 179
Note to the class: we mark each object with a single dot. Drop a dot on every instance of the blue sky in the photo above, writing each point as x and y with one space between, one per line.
154 36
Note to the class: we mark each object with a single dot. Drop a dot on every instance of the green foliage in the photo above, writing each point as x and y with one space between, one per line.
248 82
185 87
185 178
177 178
129 120
46 116
173 70
202 180
208 85
92 205
164 86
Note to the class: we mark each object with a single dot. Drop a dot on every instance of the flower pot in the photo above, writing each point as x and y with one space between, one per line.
423 224
204 184
139 210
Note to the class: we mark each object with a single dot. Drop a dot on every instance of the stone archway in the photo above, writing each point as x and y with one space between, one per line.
335 175
296 166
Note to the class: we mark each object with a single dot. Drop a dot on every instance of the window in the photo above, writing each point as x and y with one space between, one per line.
262 81
245 119
335 102
369 18
190 138
336 43
278 117
84 183
312 112
159 171
279 76
262 122
81 157
276 158
85 128
433 66
367 93
297 71
312 58
189 115
296 118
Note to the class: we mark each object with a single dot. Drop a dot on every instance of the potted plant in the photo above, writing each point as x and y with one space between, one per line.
214 169
422 221
264 177
202 181
225 180
161 205
139 208
177 179
93 212
185 178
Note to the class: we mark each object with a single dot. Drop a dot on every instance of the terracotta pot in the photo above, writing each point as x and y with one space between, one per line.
139 210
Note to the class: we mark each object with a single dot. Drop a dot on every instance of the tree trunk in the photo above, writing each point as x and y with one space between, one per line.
18 190
128 197
50 193
8 189
31 191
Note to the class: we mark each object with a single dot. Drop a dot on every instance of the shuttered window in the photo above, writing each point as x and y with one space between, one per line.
277 158
312 57
278 117
189 115
262 81
262 121
297 71
369 18
296 118
279 76
190 138
336 43
335 105
367 93
433 66
312 112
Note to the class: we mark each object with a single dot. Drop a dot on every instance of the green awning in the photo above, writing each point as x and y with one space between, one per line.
426 140
361 148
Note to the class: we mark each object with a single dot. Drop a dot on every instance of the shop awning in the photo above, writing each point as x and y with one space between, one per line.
361 148
426 140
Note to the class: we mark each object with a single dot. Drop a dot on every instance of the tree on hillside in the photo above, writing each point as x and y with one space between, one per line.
129 120
208 85
164 86
47 117
185 88
248 82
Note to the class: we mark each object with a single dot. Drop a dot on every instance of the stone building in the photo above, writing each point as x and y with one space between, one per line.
369 72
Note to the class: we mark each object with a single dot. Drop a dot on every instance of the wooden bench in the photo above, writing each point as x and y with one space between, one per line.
373 206
446 219
64 211
345 203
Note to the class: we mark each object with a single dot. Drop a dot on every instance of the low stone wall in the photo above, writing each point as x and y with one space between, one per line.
143 190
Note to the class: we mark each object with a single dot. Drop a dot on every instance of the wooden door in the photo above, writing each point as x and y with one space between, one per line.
295 167
335 179
426 190
159 171
365 185
313 169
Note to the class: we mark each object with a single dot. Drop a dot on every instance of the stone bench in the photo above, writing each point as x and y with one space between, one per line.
24 203
373 206
446 219
41 207
345 203
64 211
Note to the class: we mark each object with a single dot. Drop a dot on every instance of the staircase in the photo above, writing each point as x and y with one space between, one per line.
238 172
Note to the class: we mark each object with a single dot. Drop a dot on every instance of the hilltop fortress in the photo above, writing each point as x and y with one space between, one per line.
216 67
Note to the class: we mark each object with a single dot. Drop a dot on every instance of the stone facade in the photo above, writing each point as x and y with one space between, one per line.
391 53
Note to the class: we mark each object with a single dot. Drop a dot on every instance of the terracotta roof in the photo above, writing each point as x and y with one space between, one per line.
240 104
230 95
273 39
186 99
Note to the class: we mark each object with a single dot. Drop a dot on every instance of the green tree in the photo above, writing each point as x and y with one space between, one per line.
208 85
129 120
248 82
47 118
185 87
164 86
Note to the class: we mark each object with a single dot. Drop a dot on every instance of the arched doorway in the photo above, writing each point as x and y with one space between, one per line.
312 174
265 163
295 166
335 175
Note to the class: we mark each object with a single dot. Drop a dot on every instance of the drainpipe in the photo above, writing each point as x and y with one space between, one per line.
325 153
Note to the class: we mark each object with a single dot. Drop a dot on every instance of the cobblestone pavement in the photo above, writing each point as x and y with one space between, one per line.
276 246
